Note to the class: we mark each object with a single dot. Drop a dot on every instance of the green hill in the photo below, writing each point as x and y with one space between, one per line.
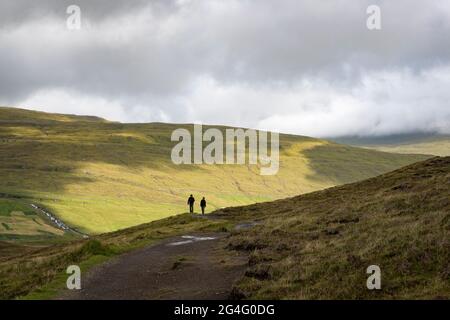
319 245
312 246
433 144
101 176
19 221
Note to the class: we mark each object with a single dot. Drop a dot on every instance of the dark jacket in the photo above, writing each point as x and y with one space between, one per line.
191 200
203 203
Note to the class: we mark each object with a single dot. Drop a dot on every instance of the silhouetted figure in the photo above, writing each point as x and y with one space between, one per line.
190 202
203 205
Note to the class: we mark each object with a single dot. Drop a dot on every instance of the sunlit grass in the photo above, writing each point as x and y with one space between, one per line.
101 176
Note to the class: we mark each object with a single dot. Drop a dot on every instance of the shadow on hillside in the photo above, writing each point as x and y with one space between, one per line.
50 156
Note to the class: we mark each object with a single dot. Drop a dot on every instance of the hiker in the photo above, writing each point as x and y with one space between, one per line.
203 205
190 202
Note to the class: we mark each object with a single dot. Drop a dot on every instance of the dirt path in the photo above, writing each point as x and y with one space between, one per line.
194 266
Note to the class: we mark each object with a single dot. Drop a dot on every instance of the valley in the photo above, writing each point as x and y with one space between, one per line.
99 176
312 246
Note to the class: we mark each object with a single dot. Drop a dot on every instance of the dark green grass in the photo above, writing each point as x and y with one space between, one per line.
7 206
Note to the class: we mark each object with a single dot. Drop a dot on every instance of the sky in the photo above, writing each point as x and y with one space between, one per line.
295 66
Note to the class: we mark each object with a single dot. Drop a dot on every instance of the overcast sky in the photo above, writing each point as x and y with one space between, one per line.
304 67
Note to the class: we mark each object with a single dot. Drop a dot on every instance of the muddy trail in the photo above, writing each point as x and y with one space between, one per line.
195 266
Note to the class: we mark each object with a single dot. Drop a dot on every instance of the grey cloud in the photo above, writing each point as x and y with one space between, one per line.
154 55
16 12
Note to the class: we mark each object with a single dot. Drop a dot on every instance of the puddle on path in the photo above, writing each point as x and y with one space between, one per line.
191 239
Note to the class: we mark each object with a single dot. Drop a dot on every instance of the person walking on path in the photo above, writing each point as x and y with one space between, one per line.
190 202
203 205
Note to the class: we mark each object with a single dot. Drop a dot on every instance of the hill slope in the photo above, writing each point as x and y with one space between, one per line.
434 144
102 176
319 245
313 246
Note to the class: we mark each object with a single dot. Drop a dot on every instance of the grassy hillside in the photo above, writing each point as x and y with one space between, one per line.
433 144
312 246
28 272
20 221
438 147
318 245
101 176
